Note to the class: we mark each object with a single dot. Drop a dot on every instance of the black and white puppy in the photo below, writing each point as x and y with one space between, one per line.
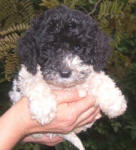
64 48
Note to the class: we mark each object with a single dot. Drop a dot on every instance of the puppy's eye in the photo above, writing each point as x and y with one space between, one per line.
77 47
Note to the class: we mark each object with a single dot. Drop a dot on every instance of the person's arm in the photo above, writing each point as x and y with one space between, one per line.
17 123
12 124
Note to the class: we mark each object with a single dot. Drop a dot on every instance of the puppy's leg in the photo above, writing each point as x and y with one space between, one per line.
108 96
42 105
42 101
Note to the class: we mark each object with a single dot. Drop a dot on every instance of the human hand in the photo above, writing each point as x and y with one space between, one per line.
45 140
63 123
72 112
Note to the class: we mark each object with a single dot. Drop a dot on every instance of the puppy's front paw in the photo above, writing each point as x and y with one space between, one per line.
43 110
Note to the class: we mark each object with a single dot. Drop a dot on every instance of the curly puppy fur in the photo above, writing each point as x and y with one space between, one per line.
65 49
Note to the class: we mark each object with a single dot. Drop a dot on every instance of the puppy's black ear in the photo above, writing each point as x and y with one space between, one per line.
27 51
28 48
103 50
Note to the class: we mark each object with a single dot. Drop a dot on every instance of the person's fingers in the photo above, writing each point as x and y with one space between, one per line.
77 108
67 96
90 120
44 140
54 143
68 117
29 139
92 112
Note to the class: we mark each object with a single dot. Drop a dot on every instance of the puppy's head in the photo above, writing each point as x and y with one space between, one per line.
67 45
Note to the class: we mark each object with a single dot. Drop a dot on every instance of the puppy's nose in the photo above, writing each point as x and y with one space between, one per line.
65 73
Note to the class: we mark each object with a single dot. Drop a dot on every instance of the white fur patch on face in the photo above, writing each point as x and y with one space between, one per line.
76 64
79 72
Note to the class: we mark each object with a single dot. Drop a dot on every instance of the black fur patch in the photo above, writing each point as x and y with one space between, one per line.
58 32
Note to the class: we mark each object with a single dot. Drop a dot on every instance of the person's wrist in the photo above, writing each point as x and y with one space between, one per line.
21 115
27 124
12 126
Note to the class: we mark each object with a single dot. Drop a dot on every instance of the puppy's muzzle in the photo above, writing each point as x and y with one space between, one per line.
65 73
